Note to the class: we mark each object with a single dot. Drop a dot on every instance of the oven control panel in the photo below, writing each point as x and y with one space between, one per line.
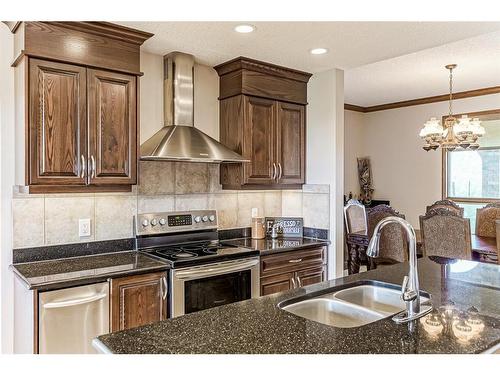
179 221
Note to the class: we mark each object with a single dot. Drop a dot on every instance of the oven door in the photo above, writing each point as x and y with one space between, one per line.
215 284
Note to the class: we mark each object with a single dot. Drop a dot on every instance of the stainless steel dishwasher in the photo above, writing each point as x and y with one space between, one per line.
70 318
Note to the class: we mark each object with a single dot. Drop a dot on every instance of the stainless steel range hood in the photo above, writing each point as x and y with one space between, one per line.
179 139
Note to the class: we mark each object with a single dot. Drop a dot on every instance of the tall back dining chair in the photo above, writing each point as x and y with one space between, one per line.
448 205
446 234
485 220
355 217
393 245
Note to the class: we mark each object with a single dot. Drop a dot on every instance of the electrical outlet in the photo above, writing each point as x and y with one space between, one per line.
84 227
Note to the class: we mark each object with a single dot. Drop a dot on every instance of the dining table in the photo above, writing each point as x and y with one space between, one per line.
484 249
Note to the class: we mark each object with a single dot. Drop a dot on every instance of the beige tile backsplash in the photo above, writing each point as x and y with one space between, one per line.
164 186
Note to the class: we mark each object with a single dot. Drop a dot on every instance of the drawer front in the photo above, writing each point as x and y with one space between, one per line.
277 283
292 261
311 276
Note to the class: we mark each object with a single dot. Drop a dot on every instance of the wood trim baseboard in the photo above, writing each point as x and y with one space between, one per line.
426 100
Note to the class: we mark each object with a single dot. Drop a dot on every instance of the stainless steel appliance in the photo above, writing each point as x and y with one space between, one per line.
70 318
178 139
205 273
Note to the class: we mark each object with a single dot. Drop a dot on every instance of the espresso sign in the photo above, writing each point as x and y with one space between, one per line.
287 226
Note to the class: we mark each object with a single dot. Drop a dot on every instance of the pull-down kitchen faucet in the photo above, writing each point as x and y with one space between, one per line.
410 291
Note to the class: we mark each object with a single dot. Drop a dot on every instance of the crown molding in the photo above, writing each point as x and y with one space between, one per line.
426 100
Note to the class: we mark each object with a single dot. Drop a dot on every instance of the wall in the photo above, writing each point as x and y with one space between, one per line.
325 152
402 172
7 176
354 127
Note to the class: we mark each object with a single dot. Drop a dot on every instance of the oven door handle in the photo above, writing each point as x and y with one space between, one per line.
214 269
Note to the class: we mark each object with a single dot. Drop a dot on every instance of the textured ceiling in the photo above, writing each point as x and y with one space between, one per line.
383 61
350 44
422 74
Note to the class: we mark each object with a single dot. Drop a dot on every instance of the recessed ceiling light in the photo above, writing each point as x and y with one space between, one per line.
244 28
318 51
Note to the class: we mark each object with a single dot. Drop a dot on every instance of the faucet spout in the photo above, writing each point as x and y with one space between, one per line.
410 291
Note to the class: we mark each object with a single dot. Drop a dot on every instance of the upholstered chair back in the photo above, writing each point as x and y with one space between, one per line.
355 217
445 234
393 245
485 220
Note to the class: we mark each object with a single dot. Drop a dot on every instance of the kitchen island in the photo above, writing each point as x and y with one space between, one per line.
260 326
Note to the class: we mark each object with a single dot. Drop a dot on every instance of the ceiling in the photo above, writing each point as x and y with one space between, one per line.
422 73
383 61
350 44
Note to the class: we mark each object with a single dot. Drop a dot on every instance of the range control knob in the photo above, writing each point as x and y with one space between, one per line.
145 223
204 218
154 222
197 219
212 218
163 221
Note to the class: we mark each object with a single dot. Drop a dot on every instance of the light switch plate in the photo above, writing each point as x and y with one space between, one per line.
255 212
84 228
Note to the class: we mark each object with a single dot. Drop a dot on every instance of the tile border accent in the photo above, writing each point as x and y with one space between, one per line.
36 254
316 233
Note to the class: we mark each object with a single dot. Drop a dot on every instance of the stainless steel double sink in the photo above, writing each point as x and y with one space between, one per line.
351 305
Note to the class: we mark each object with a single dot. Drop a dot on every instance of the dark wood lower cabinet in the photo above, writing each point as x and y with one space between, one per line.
294 269
277 283
138 300
311 276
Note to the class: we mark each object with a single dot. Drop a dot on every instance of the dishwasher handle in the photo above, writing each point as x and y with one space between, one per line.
74 302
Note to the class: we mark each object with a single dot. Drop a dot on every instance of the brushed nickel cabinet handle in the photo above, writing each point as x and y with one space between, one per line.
164 288
83 166
281 171
293 282
295 260
92 159
299 281
274 171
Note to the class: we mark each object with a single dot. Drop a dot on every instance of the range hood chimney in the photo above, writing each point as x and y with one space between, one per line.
179 139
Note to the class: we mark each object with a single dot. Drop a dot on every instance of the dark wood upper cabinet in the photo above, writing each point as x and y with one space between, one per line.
138 300
57 123
112 127
290 136
262 117
82 118
258 134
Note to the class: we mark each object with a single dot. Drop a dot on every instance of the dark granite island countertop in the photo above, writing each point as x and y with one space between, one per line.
259 326
268 246
59 273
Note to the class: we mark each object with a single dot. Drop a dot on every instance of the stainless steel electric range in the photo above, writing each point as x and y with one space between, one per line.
205 273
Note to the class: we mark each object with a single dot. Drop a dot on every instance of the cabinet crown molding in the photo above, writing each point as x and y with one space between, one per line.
246 63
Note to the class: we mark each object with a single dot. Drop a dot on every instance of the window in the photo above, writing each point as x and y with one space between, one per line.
474 176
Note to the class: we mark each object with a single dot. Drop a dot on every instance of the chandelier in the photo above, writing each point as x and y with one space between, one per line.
463 132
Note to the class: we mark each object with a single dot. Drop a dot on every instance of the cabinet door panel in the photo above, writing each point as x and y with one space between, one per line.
311 276
137 300
113 127
290 136
258 139
57 123
277 283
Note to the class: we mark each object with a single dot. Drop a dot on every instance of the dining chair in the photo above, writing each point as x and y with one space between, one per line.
485 220
446 204
445 234
393 243
355 217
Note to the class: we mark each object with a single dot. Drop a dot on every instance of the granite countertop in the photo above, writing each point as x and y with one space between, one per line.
59 273
259 326
268 246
